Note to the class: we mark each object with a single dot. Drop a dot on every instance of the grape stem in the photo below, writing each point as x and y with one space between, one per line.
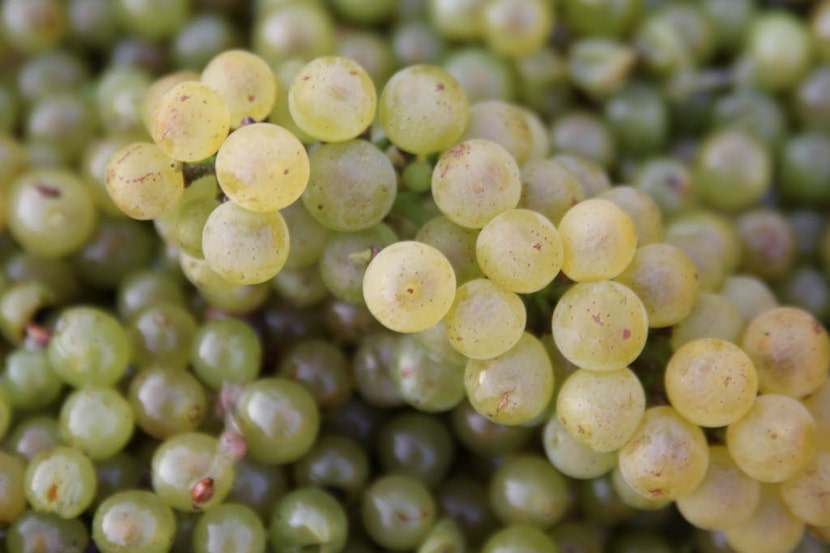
410 207
195 171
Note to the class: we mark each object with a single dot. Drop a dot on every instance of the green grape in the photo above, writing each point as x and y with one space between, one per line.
202 38
549 188
584 135
50 72
293 31
89 346
475 181
31 435
200 275
96 420
162 334
398 512
804 494
142 181
50 213
713 316
485 320
520 250
370 50
119 97
632 498
352 186
153 19
308 518
819 406
482 75
372 365
225 350
64 121
732 170
46 532
600 66
346 256
19 305
456 242
437 343
29 381
245 247
144 288
804 170
519 538
322 368
238 300
445 536
278 418
527 489
189 121
775 440
191 473
503 123
600 326
154 93
751 295
416 445
601 410
167 401
725 498
459 20
409 286
307 237
245 82
667 456
502 393
426 383
12 495
302 287
334 463
790 349
262 167
643 210
599 240
117 473
751 112
479 435
768 241
770 529
669 183
423 109
600 501
416 43
638 117
94 159
778 50
571 457
464 500
332 99
229 528
257 486
60 480
33 26
135 521
365 12
603 18
711 382
516 28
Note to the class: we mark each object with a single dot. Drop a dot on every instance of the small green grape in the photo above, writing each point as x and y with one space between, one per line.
135 521
60 480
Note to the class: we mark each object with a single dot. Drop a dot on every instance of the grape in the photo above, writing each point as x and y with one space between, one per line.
36 531
572 458
527 489
778 47
352 186
711 382
513 388
332 99
262 167
474 181
713 316
293 31
725 498
156 91
225 350
161 334
423 109
416 445
322 368
818 403
601 410
29 381
643 210
398 512
520 250
751 295
202 38
190 121
444 536
32 435
152 19
457 243
599 240
33 26
732 171
775 440
346 256
521 538
60 480
409 286
245 83
516 28
167 401
482 75
804 494
372 365
97 421
335 463
133 520
437 343
667 456
600 326
503 123
229 527
245 247
142 181
12 495
790 349
549 188
585 136
307 237
485 320
424 382
770 529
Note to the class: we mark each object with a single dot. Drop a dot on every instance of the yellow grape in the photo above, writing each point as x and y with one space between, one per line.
549 188
142 181
770 529
806 493
157 90
818 403
503 123
571 457
245 83
712 316
631 497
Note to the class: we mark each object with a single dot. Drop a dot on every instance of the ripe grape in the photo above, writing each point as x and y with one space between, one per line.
142 181
245 82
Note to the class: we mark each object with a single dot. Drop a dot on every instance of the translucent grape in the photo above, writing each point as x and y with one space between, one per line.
818 403
96 420
245 247
520 250
29 381
424 382
307 237
409 286
549 188
245 82
230 527
485 320
12 495
142 181
60 480
503 123
713 316
643 210
347 255
190 121
156 90
133 520
167 401
262 167
398 512
527 489
225 350
475 181
600 326
161 334
770 529
519 537
572 458
517 28
457 243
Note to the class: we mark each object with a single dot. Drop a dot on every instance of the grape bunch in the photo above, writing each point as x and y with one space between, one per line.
435 276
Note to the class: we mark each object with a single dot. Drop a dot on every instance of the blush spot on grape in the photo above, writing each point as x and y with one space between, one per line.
626 334
52 493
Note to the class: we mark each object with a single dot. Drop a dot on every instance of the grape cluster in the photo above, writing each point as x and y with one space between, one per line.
436 276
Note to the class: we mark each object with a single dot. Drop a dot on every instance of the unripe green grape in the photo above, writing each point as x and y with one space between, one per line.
202 38
398 512
245 247
457 19
346 256
549 189
775 440
732 171
307 518
481 74
520 250
29 381
245 82
142 181
225 350
190 121
60 480
571 457
293 31
334 463
152 19
33 26
190 472
135 521
517 28
505 124
584 135
424 382
307 237
229 528
770 529
474 181
423 109
39 531
12 495
601 410
667 456
372 365
725 498
504 395
779 50
527 489
96 420
161 334
519 537
262 167
713 316
167 401
322 368
456 242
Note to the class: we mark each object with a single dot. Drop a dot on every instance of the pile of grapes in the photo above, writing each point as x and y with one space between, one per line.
439 276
